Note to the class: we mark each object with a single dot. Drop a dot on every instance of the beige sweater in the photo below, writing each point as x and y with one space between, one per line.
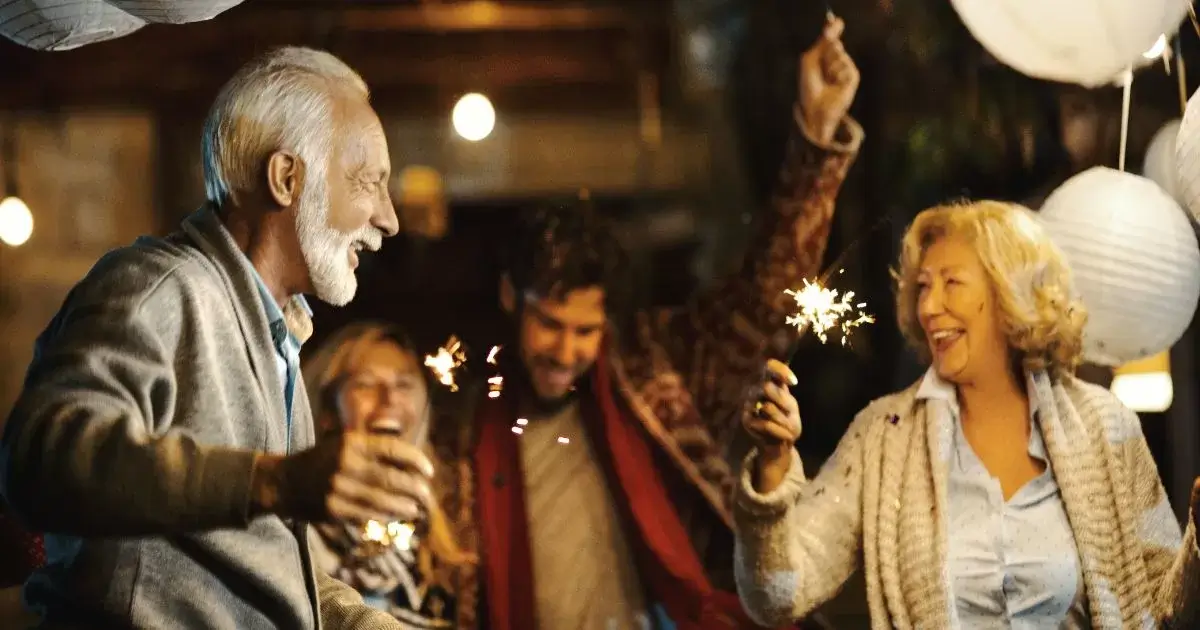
881 501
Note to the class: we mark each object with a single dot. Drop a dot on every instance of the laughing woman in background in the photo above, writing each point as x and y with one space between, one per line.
996 492
368 377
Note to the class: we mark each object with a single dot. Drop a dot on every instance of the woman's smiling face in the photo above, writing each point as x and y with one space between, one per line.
957 310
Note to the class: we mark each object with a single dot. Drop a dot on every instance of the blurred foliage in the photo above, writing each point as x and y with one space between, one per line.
965 124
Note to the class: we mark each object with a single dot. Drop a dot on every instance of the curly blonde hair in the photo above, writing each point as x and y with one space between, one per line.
1041 314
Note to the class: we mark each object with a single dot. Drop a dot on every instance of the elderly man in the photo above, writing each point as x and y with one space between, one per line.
162 440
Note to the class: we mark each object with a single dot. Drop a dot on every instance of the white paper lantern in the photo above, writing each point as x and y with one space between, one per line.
58 25
1159 165
1089 42
1187 157
1135 259
174 11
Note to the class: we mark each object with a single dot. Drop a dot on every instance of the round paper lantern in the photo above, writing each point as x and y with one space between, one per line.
1187 157
58 25
1159 165
1089 42
174 11
1135 260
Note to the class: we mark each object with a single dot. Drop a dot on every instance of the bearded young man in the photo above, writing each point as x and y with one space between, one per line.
594 489
163 440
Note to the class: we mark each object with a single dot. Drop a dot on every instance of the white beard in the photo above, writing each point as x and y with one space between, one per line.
326 250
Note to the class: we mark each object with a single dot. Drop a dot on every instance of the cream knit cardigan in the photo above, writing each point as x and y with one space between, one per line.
881 500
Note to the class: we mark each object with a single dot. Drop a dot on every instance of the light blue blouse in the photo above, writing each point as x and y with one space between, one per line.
1012 564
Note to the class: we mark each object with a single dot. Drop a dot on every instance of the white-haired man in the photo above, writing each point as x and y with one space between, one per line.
162 440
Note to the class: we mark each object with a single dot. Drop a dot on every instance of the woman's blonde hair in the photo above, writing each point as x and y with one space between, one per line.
325 372
1041 315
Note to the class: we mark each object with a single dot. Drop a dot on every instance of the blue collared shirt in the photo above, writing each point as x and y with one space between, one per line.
287 347
1012 564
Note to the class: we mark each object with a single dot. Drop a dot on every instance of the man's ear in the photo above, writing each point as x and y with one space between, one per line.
285 178
508 295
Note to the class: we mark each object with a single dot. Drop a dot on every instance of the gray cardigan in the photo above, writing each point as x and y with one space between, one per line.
133 446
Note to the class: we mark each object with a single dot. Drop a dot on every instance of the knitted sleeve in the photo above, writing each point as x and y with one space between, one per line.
1173 568
797 545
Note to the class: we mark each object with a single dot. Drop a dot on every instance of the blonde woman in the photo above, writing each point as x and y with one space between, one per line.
369 377
996 492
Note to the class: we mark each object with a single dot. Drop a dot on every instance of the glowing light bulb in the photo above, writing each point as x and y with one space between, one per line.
16 222
473 117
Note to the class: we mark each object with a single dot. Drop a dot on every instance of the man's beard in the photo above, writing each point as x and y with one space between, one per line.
326 251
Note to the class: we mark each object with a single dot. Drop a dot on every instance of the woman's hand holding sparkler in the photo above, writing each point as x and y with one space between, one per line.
775 426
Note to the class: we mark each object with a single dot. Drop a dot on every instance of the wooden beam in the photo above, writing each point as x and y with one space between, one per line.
179 61
471 15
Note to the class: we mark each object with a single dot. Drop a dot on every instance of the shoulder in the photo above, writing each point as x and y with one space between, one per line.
891 408
1099 405
148 273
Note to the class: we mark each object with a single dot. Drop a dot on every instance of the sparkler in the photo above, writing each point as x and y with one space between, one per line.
822 309
395 534
446 362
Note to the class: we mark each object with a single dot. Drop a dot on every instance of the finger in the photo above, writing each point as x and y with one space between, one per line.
398 452
784 419
402 483
344 510
833 29
780 398
781 373
767 430
371 499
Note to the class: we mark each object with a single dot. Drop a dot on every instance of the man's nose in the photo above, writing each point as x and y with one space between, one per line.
565 352
385 216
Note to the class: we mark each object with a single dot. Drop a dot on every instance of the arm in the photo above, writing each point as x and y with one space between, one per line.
342 608
82 452
1172 565
798 544
719 341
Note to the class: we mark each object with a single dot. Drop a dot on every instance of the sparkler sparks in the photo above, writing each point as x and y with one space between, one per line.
447 360
821 310
394 534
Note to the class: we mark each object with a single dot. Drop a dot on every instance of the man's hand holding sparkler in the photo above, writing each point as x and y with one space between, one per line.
775 426
828 81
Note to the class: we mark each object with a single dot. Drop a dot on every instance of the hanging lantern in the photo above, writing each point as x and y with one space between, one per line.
57 25
1135 259
174 11
1088 42
1159 165
1187 158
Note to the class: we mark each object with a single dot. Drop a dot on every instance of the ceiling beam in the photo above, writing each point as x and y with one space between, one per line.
470 15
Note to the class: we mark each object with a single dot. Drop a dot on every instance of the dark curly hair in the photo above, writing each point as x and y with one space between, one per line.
561 247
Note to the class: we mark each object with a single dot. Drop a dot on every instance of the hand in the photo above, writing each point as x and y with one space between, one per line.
353 476
828 82
774 425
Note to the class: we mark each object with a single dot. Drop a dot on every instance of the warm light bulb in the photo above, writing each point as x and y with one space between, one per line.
473 117
1145 385
1151 393
1159 47
16 222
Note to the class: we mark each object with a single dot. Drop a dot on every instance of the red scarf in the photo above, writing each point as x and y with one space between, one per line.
670 568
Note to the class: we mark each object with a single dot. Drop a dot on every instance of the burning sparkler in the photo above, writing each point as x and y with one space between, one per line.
447 360
380 537
822 309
